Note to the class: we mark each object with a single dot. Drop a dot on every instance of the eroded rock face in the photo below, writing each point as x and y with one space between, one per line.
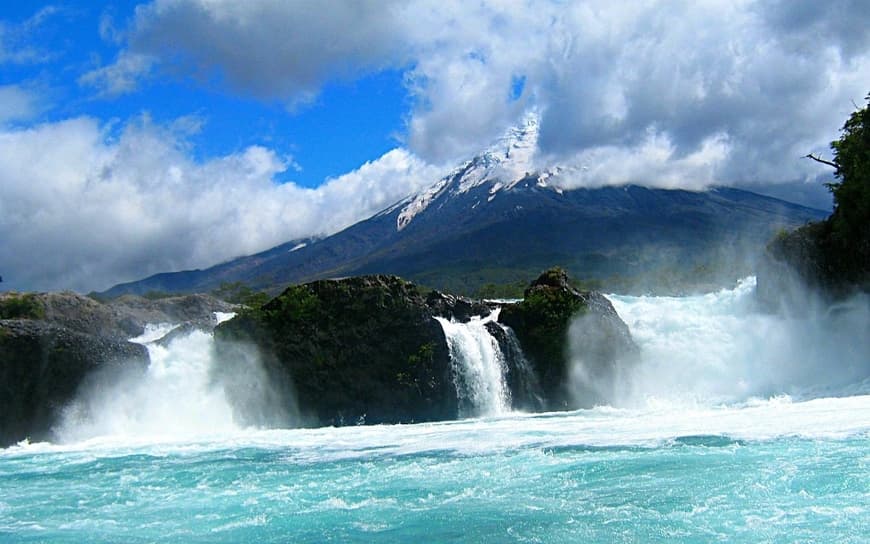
812 260
542 321
123 317
132 313
41 367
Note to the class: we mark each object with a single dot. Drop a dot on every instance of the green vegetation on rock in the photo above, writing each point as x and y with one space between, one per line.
542 322
362 348
21 306
237 292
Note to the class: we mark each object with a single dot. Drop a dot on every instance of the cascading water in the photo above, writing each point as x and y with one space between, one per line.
524 385
721 348
479 366
732 464
178 396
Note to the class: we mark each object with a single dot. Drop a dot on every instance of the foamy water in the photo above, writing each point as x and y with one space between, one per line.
736 426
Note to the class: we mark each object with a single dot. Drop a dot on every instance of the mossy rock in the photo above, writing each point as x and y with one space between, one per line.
542 321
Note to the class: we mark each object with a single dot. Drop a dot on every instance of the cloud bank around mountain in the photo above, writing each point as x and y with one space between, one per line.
765 82
94 205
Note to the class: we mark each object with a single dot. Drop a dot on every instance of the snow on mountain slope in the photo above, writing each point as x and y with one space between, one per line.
503 165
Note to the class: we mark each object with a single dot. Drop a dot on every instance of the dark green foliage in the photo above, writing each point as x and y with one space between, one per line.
852 192
850 223
363 348
237 292
157 295
501 291
21 306
834 254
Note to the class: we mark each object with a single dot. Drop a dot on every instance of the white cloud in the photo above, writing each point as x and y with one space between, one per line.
776 79
122 76
18 41
270 48
81 208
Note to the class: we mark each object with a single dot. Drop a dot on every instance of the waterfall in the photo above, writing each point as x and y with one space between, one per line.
185 391
523 382
479 367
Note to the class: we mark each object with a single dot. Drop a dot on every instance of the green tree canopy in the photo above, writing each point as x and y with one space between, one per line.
851 218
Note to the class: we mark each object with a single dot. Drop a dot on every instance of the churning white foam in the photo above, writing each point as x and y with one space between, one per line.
174 396
720 347
185 392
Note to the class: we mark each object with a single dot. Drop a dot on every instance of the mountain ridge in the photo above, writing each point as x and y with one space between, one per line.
499 218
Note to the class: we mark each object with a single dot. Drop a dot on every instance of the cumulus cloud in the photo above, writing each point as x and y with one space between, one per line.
773 79
84 206
270 48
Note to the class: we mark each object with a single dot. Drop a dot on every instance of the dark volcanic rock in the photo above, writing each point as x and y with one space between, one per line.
134 312
362 349
813 257
41 367
458 308
542 321
60 339
368 349
125 316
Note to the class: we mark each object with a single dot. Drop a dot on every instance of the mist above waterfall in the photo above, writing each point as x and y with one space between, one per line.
721 347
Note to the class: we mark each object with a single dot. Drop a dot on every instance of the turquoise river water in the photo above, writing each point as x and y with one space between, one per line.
727 432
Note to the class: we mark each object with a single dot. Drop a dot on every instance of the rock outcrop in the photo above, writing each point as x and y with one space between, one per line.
363 349
555 321
368 349
50 343
813 259
41 367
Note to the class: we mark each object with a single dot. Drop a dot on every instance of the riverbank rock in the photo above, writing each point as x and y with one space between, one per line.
357 350
42 365
556 324
121 318
369 349
813 261
50 343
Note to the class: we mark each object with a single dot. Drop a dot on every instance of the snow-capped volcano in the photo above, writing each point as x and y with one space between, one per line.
501 217
508 161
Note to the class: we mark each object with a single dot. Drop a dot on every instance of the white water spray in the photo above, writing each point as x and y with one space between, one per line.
720 348
178 396
479 367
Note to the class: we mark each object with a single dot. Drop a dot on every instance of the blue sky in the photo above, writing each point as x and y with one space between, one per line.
145 136
346 124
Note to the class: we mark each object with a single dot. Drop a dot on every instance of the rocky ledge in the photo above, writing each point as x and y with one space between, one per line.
42 366
51 342
368 349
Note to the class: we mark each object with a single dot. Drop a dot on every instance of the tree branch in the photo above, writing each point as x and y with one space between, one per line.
819 159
